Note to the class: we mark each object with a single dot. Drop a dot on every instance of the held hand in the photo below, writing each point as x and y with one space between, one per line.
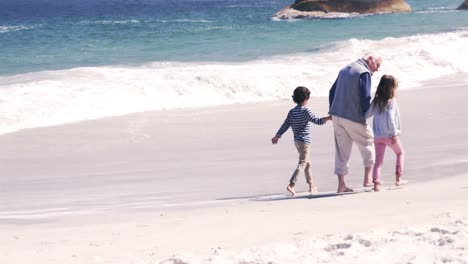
394 139
328 118
274 140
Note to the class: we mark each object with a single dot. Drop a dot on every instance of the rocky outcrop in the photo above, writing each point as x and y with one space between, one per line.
464 6
317 8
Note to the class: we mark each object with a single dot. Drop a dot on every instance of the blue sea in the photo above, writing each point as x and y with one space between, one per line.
64 61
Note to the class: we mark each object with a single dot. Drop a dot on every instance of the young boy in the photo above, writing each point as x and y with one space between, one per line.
299 119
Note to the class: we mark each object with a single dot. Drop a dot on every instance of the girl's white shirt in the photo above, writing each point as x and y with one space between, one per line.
386 123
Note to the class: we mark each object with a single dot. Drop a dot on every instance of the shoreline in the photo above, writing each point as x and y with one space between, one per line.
425 84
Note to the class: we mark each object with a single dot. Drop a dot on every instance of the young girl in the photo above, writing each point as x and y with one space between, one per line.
387 128
299 119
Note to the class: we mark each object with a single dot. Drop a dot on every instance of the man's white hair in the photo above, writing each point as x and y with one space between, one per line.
370 55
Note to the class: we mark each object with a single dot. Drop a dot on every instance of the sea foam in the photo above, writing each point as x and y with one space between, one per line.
57 97
5 28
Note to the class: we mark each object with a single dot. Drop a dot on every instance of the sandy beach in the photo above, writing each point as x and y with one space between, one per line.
205 185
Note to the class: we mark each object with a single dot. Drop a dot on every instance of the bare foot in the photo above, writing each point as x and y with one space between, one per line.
367 177
376 187
343 188
400 182
367 182
291 190
313 190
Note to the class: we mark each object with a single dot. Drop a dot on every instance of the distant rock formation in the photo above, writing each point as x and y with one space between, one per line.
464 6
317 8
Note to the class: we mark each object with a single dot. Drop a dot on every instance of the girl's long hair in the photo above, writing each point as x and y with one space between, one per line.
385 91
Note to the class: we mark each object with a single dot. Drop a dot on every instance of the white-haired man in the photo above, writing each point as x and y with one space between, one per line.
349 100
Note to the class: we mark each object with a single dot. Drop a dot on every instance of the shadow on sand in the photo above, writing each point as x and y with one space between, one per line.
282 196
303 196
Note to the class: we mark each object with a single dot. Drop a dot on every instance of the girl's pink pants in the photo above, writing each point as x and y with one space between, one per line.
380 145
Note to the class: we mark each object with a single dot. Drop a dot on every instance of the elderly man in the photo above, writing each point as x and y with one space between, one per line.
349 99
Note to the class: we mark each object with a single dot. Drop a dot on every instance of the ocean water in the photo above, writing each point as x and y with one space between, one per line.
64 61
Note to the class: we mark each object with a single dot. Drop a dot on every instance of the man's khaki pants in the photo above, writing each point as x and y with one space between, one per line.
347 132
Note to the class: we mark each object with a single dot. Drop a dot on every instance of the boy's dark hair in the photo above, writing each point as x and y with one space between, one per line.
301 94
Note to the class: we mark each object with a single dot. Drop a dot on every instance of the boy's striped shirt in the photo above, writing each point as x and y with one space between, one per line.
299 119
